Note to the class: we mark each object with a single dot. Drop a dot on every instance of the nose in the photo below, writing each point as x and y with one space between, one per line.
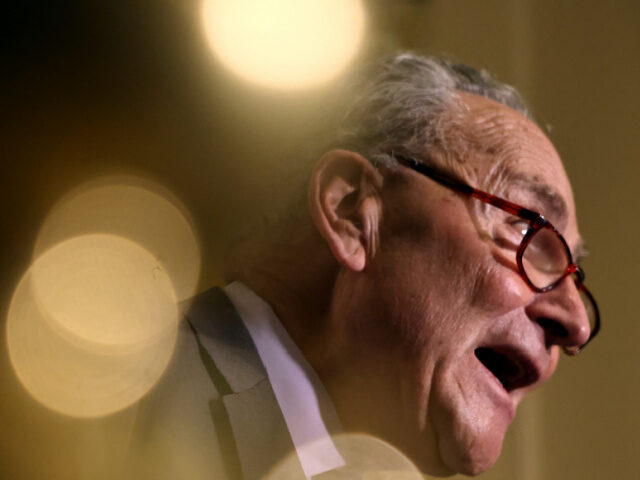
562 316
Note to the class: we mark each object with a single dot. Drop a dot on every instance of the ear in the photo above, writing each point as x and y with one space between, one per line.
345 204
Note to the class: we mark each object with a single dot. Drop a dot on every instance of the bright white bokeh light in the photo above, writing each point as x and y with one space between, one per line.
92 325
284 43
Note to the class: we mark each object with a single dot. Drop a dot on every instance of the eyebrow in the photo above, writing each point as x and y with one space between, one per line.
553 204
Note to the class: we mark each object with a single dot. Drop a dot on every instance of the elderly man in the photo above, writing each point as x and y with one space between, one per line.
422 288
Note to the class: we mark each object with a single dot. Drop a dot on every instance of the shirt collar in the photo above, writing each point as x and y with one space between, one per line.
305 404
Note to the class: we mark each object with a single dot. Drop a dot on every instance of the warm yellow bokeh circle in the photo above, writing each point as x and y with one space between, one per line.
366 458
92 325
286 44
132 208
104 289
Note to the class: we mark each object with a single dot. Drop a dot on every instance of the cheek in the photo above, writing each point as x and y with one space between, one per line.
499 289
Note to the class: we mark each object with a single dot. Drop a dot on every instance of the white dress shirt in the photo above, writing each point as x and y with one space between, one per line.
296 386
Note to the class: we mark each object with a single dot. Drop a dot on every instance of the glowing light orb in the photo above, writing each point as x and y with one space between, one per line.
284 43
367 458
135 209
92 325
104 289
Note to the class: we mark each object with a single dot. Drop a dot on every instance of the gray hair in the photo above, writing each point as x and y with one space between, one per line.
398 106
402 102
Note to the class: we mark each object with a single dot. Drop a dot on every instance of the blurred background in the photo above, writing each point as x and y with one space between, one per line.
106 101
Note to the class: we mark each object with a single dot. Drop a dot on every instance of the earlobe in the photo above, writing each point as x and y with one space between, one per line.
345 205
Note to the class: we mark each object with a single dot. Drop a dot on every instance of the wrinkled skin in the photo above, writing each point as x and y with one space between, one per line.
442 282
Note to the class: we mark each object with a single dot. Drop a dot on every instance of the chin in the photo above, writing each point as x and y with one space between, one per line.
475 464
471 455
468 463
469 452
469 440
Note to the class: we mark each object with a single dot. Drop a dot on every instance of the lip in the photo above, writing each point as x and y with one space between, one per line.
499 394
519 368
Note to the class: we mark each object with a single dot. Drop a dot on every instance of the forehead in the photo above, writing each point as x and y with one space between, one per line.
506 154
506 148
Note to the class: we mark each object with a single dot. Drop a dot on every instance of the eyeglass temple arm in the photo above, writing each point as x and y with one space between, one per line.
467 189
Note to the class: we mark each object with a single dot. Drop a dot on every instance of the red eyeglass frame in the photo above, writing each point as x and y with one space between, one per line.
536 222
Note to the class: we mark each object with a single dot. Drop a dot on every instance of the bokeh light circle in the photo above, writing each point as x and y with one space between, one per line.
92 325
366 457
284 43
132 208
104 289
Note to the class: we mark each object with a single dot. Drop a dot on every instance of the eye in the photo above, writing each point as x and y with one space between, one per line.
510 233
520 226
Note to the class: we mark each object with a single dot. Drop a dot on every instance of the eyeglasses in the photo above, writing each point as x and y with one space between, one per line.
543 256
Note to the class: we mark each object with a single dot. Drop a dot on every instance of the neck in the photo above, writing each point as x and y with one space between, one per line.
299 292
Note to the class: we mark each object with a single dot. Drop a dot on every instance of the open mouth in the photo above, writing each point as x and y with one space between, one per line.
509 368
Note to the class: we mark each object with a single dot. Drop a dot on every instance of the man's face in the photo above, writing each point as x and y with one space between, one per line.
442 338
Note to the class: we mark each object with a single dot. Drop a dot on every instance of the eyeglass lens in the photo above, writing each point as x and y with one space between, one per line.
545 260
